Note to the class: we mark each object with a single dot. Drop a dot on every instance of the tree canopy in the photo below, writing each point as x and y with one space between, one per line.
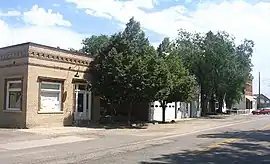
180 84
124 68
95 44
221 68
127 69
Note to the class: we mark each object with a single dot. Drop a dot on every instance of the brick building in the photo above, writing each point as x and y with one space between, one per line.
248 87
44 86
248 100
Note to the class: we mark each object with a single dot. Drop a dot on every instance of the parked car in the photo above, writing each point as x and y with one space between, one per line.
261 111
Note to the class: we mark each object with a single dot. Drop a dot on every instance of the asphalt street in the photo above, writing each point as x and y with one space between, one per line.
243 142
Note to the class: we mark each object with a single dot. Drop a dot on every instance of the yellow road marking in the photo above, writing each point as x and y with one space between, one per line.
230 140
266 127
219 144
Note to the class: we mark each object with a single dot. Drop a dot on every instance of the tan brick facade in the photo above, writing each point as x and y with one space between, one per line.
248 87
42 62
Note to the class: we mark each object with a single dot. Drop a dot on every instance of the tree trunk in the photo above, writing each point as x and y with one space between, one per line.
220 105
228 104
129 113
163 114
175 110
212 104
163 105
203 103
110 109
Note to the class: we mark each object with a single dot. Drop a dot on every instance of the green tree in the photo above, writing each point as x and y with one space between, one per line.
73 50
232 69
220 68
124 69
192 50
94 44
219 48
177 84
241 72
165 47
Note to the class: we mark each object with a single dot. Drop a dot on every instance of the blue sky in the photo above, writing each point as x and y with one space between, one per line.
65 23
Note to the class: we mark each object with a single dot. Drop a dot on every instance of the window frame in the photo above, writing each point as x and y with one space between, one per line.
59 91
85 92
7 90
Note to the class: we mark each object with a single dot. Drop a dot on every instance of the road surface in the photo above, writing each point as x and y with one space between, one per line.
242 142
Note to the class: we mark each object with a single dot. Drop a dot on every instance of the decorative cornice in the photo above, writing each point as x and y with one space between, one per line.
44 66
13 65
58 58
46 56
56 67
13 55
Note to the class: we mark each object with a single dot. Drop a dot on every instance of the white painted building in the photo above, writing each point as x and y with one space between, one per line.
247 102
174 111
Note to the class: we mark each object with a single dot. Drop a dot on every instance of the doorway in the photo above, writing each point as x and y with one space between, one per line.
83 102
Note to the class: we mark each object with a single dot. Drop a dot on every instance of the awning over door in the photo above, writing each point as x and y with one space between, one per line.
250 98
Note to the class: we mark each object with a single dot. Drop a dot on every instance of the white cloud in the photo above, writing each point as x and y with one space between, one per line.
52 36
4 32
244 21
240 18
41 29
12 13
98 14
123 10
41 17
56 5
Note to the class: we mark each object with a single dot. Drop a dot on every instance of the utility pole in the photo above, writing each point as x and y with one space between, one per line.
259 102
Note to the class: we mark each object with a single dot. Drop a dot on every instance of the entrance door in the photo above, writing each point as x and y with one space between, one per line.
83 102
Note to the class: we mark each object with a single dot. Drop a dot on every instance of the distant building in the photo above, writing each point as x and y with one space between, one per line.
248 100
264 100
248 87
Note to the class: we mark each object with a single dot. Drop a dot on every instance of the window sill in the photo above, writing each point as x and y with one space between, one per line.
44 112
12 111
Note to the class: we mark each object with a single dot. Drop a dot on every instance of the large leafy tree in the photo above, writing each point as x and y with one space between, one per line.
177 84
241 72
124 69
165 47
219 48
232 67
221 68
192 50
94 44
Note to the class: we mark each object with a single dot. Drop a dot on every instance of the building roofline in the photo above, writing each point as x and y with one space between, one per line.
48 47
263 95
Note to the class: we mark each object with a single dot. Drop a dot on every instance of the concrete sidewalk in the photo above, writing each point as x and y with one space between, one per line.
18 139
151 130
10 135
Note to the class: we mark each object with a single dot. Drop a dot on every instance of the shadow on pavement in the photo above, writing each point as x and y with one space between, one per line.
252 136
254 147
114 125
118 126
214 117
